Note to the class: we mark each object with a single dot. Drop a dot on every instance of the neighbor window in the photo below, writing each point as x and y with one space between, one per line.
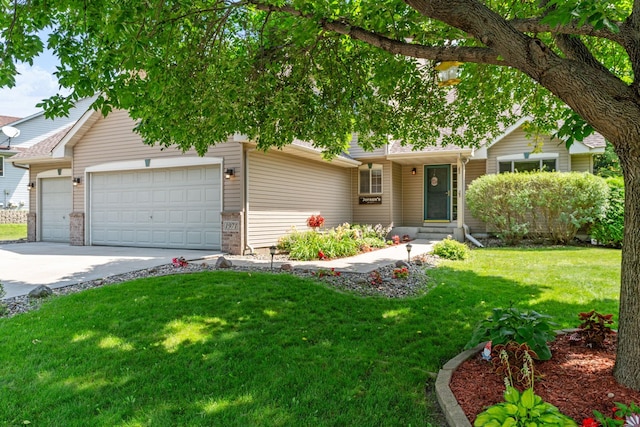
371 179
528 165
1 166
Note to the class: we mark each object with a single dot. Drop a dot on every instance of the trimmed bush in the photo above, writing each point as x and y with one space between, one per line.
538 204
451 249
609 231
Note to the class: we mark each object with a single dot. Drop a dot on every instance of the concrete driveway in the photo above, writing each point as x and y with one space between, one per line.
24 266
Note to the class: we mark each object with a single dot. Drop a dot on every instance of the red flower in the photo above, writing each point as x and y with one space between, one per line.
321 255
315 221
589 422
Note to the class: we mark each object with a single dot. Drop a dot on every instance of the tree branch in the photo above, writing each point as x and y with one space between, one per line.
435 53
575 49
535 26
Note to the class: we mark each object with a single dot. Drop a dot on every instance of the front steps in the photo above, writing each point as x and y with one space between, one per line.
435 232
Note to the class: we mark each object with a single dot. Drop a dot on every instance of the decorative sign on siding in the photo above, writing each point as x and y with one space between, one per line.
370 200
231 226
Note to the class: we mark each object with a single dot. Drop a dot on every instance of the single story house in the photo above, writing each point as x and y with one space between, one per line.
96 183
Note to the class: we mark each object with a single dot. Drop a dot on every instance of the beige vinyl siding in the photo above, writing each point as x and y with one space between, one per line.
518 143
474 169
357 152
112 139
283 191
582 163
374 214
413 196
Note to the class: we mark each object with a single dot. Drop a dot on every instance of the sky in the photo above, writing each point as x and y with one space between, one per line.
33 84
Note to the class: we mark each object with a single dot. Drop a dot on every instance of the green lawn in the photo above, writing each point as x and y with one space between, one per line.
240 349
13 231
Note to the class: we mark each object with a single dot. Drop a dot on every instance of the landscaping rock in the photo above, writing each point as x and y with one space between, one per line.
41 291
222 262
400 264
286 267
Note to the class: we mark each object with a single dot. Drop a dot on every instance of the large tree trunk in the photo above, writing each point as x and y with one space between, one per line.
627 368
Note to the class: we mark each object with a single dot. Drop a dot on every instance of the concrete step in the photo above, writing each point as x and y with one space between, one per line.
433 236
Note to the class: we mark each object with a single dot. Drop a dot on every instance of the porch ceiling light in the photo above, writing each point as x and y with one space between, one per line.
448 73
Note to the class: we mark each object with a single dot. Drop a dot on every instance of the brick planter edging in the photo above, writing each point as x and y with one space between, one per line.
452 411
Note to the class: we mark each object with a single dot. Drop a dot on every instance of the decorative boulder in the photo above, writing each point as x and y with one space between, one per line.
222 262
401 264
286 267
41 291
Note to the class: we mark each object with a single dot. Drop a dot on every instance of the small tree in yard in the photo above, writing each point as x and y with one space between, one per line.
193 73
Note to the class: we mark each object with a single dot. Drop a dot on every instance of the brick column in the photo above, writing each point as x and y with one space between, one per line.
76 232
232 232
31 227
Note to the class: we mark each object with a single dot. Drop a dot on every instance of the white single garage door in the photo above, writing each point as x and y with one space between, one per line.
55 207
165 208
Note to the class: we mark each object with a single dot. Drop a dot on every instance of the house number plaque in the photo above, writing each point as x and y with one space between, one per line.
231 226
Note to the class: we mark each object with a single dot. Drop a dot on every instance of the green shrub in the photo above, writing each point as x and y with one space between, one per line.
537 204
511 324
609 231
451 249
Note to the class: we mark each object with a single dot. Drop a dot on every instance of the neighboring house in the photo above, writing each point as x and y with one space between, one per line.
14 176
98 184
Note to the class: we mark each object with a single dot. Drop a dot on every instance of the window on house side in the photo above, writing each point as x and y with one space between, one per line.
547 165
371 179
1 166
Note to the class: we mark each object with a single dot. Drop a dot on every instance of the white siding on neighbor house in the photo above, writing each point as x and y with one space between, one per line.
13 184
374 214
112 139
357 152
518 143
413 196
582 163
473 170
36 128
283 191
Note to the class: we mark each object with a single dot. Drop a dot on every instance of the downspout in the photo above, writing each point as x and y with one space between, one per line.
465 227
16 165
245 191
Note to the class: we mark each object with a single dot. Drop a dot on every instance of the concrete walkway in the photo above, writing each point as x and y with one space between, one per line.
24 266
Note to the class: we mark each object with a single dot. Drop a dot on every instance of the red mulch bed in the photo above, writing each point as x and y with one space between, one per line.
577 380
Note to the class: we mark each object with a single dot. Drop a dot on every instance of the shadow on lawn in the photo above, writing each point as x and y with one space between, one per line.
228 348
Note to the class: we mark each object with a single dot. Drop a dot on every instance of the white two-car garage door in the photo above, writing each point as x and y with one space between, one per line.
176 207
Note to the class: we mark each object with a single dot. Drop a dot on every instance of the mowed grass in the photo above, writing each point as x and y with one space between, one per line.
13 231
239 349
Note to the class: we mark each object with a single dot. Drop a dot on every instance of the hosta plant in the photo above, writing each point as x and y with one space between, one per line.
511 324
522 409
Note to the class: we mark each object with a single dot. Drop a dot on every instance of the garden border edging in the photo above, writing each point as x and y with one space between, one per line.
448 403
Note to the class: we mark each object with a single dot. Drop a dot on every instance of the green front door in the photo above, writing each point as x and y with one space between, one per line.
437 193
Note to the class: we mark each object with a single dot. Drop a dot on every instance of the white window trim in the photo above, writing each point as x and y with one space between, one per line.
521 158
367 168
